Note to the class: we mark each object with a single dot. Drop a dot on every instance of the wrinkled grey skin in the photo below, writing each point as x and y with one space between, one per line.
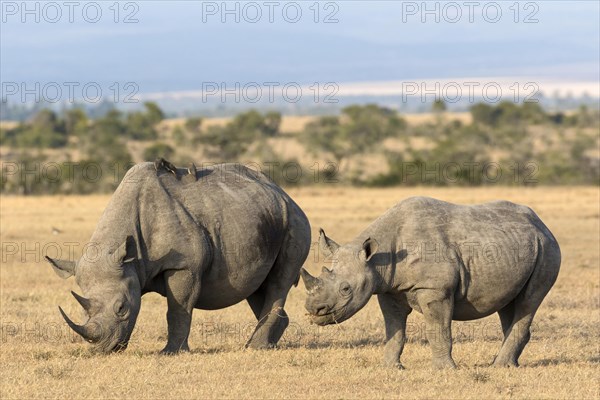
205 239
448 262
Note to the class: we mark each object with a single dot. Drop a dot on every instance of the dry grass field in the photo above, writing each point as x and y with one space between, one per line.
40 357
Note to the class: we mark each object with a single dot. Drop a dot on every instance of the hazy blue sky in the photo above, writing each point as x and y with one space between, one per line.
172 48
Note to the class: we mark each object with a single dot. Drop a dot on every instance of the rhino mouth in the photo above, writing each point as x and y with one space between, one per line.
114 341
119 347
114 346
332 317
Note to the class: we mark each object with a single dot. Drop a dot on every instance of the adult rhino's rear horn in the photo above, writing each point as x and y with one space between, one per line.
85 303
90 331
310 282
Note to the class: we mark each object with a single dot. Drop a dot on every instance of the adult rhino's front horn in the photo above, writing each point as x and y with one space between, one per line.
90 331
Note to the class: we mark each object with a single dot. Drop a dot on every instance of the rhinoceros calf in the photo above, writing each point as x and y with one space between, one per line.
205 239
448 262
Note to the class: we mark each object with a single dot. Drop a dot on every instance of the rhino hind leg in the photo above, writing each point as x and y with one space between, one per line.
274 329
516 320
516 336
256 301
267 303
517 317
507 314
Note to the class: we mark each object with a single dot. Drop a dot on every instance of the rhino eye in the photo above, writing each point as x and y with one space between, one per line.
345 289
121 308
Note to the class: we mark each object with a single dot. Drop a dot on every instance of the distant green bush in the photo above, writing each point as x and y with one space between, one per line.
463 154
44 130
141 125
359 129
231 141
506 143
158 150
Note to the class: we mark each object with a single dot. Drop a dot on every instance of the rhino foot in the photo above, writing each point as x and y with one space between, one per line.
394 365
171 350
443 363
259 345
505 364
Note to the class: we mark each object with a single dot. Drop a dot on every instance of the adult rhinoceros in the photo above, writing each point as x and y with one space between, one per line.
447 262
205 239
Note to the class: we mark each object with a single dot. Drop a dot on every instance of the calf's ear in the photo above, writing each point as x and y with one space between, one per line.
63 268
369 248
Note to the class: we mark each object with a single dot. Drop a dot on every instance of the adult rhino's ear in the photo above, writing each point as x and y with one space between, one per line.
63 268
326 244
126 252
369 248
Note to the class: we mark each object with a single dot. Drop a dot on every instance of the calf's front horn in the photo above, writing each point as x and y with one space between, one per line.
310 282
90 331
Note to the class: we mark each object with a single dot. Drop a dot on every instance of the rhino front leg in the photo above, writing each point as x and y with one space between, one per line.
182 292
395 312
437 308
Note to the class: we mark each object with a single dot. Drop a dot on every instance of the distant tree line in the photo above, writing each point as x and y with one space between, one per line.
527 144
